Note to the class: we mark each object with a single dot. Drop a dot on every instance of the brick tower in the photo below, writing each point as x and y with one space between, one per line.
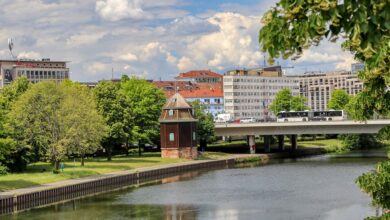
178 129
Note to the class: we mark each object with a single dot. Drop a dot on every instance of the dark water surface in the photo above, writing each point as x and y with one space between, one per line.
311 188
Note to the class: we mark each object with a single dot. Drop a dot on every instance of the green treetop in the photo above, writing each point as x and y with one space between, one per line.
338 99
116 113
285 101
205 126
363 26
146 101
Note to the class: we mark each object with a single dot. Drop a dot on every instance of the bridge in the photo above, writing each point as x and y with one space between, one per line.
294 128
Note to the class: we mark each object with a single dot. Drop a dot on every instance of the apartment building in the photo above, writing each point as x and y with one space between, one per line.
249 93
33 70
209 94
317 88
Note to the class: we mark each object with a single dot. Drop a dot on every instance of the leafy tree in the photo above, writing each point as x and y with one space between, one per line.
338 99
82 125
116 113
59 118
285 101
146 101
293 25
35 119
205 126
377 184
13 156
359 141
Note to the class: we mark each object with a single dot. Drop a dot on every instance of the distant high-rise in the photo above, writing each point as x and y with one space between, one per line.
317 88
33 70
356 67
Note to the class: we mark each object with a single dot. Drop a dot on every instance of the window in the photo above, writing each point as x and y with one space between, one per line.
194 136
171 136
170 112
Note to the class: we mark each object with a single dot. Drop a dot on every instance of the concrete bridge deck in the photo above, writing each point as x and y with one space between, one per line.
294 128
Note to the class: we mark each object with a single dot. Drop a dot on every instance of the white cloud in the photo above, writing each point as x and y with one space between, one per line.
115 10
29 55
234 44
128 57
96 68
84 38
185 64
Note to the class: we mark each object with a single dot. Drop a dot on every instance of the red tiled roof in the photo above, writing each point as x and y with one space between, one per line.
190 90
199 73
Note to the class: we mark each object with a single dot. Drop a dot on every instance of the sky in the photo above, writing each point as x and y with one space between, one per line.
148 38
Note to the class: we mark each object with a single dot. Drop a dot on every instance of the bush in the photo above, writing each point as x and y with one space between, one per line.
3 170
56 171
359 141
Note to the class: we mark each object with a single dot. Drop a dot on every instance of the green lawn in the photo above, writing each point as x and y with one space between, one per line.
326 143
212 155
34 175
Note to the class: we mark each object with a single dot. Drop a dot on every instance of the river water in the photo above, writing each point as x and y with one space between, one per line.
321 187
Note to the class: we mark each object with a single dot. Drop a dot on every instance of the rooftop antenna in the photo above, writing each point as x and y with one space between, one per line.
11 47
112 73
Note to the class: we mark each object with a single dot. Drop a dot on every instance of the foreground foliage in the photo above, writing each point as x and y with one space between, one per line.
377 184
362 26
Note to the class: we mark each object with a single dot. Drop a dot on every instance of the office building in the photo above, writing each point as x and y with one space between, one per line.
317 88
33 70
249 93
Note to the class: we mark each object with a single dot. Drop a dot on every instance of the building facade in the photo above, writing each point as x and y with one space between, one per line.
200 76
178 129
317 88
250 95
33 70
209 94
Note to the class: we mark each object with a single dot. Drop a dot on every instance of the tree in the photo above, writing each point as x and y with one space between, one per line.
115 110
376 184
205 126
60 118
13 156
83 126
35 119
338 99
292 26
146 101
285 101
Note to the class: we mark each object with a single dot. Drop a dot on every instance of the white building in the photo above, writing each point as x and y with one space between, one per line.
317 88
250 95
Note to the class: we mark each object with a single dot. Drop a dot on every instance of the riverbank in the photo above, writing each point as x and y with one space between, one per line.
31 197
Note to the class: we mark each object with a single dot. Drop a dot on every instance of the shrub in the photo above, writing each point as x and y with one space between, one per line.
359 141
3 170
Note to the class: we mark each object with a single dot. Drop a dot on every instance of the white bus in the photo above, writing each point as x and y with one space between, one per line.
331 115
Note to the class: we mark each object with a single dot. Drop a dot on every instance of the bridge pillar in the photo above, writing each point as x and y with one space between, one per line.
252 144
281 142
267 143
293 139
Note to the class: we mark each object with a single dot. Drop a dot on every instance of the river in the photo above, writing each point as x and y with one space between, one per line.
321 187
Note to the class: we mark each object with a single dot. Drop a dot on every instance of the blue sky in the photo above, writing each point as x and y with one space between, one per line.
148 38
